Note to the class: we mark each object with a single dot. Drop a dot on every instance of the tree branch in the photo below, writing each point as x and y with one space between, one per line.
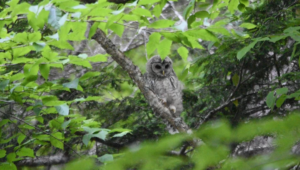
44 160
136 75
212 112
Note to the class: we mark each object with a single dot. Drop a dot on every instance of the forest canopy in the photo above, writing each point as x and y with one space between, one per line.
73 95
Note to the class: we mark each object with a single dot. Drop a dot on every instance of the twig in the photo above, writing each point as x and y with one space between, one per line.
210 113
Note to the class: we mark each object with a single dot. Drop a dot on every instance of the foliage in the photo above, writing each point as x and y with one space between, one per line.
55 101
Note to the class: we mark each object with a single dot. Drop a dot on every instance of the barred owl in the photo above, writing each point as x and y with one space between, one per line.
162 81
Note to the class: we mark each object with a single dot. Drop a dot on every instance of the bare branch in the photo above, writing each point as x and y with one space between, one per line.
212 112
44 160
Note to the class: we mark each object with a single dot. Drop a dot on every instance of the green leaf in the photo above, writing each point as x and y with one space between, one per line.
191 22
21 51
39 118
244 50
81 164
25 152
43 137
106 158
91 130
233 5
22 8
270 100
118 11
53 17
280 100
37 18
21 60
119 130
49 54
65 124
121 134
31 70
117 28
202 34
245 2
277 38
56 140
78 61
142 12
153 42
98 58
164 48
162 24
11 157
12 3
294 51
248 25
183 52
104 12
101 135
21 137
291 30
3 84
113 19
202 14
17 76
62 44
241 7
78 29
56 123
21 37
89 75
2 153
187 11
282 91
72 85
219 30
4 122
63 109
235 79
157 10
62 20
93 29
45 70
34 37
8 166
86 138
51 101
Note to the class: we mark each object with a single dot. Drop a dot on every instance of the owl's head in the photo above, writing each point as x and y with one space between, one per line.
158 67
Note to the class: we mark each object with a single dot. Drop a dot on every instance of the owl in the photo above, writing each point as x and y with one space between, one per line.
162 81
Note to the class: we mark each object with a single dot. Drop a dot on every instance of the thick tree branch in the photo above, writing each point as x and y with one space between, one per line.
136 75
44 160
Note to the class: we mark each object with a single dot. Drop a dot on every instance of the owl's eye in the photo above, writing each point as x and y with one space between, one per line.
167 66
158 67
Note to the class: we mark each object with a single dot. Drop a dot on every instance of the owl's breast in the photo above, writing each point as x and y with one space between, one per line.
164 86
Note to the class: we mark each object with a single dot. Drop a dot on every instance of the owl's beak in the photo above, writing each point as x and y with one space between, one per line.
163 72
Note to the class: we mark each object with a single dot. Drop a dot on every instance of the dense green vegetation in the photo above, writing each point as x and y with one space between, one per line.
65 102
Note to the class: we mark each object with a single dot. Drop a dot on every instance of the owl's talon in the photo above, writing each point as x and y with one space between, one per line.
163 101
173 109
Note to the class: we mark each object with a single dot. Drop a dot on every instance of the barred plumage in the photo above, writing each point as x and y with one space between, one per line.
162 80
